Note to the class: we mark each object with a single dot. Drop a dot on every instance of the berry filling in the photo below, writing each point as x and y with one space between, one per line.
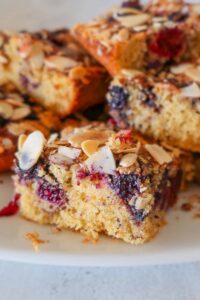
51 193
11 208
148 98
131 4
168 43
119 97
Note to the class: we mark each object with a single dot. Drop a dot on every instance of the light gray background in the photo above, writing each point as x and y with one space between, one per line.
31 282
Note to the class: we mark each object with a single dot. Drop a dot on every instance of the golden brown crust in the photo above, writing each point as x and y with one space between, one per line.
54 69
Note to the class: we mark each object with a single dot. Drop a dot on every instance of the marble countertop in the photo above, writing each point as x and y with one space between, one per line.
35 282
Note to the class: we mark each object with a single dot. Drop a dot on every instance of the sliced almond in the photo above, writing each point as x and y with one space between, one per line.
180 69
21 112
52 138
6 110
72 153
130 73
21 141
130 21
16 129
37 60
128 160
3 59
192 91
158 153
31 150
7 143
59 159
102 161
140 28
99 135
195 8
193 73
60 63
90 146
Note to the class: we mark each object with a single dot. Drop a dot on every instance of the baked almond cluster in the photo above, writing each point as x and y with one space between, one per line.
104 118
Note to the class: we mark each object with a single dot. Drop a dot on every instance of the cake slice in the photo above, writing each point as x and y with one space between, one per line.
165 106
143 36
20 115
95 180
53 68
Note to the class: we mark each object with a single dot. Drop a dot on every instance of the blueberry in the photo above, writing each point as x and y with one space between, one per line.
125 185
119 97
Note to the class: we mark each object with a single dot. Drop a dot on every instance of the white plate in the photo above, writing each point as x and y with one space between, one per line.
179 241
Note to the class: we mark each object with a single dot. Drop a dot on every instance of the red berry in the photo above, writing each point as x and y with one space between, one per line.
168 43
12 207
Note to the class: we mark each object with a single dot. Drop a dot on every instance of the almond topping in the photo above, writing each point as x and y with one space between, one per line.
192 91
31 150
3 59
60 63
180 69
158 153
90 146
130 73
128 160
7 143
130 21
193 73
6 110
72 153
102 161
77 139
16 129
140 28
21 112
21 141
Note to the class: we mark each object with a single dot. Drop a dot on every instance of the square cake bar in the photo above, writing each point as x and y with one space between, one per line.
95 180
18 115
143 36
53 68
165 106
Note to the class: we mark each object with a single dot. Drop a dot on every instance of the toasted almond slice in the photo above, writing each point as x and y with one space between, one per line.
31 150
6 110
59 159
99 135
192 91
130 73
21 141
195 8
60 63
102 161
16 129
133 20
125 11
21 112
128 160
193 73
72 153
90 146
3 59
37 59
52 138
180 69
7 143
158 153
140 28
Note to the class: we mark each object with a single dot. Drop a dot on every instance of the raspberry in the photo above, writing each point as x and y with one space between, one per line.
167 43
12 207
51 193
